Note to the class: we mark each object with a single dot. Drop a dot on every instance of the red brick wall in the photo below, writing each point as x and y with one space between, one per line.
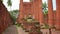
27 9
35 8
58 14
50 13
5 18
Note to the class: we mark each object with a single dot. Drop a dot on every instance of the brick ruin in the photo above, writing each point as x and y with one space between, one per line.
35 9
30 8
5 18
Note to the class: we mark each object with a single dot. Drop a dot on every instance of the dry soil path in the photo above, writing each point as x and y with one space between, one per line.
14 30
18 30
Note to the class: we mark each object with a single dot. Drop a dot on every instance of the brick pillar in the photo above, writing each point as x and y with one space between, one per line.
35 9
40 12
20 16
37 4
50 13
58 14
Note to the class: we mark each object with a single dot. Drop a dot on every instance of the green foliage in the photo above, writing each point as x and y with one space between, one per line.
14 14
44 5
45 11
46 26
9 2
18 25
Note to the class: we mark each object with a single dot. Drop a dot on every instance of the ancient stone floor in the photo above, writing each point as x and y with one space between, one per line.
18 30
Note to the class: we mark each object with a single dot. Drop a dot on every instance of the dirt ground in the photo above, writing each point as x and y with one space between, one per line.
13 29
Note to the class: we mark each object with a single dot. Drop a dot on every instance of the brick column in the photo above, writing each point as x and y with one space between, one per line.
40 12
35 9
20 16
58 14
37 4
50 13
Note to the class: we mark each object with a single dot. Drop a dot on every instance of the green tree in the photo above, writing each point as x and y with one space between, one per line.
9 2
44 6
14 15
